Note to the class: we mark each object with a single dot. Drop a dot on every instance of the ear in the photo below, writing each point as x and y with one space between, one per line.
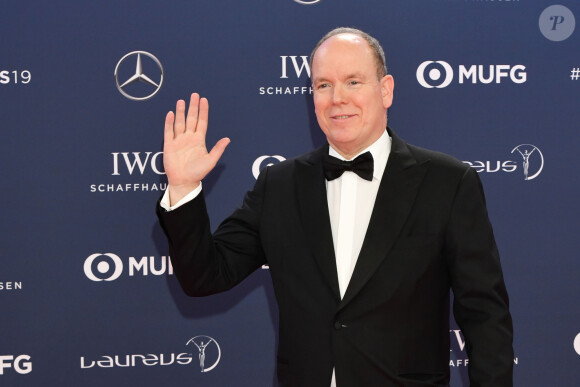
387 88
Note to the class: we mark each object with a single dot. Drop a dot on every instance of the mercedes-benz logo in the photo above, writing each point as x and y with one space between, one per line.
139 75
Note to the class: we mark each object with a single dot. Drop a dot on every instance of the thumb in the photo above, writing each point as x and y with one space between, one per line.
218 150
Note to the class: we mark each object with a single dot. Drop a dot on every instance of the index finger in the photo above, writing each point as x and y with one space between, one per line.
168 134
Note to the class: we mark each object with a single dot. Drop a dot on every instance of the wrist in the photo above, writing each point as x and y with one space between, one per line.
178 192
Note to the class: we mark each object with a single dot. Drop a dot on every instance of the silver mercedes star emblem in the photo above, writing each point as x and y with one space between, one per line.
139 76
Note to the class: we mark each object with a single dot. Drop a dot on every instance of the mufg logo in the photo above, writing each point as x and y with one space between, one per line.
21 364
263 162
109 267
440 74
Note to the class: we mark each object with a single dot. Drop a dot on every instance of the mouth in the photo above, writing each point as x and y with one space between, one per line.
342 116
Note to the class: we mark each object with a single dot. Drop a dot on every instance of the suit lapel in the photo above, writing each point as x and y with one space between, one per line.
397 191
313 208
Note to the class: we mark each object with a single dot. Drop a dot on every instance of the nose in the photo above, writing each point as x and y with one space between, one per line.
339 95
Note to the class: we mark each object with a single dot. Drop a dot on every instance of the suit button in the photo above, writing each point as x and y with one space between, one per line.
338 325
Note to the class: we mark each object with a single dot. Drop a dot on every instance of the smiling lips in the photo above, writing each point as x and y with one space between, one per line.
342 117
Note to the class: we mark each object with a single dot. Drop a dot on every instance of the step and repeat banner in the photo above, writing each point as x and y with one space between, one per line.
88 296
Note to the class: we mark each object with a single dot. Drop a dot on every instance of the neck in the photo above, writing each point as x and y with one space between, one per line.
350 152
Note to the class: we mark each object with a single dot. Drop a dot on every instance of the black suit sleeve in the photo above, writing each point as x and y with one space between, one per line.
480 297
204 263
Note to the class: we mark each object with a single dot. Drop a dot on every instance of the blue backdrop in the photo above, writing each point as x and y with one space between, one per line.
87 295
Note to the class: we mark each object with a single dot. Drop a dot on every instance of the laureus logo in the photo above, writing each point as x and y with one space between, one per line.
532 168
209 352
532 162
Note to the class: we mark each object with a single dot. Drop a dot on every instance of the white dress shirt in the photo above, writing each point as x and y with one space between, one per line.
350 204
165 203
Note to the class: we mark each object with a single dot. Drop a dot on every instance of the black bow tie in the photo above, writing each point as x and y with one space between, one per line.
362 165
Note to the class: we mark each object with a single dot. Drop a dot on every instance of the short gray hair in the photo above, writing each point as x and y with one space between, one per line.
378 52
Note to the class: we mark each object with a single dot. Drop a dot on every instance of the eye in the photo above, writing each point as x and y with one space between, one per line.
322 86
353 83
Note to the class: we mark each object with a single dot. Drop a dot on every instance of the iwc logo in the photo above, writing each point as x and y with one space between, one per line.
209 352
130 87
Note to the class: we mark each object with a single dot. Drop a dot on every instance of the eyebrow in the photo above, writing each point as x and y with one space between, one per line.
355 75
349 76
318 79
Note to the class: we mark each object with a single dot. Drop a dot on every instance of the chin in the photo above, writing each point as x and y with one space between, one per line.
343 136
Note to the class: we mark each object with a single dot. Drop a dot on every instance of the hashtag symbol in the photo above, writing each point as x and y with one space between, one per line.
575 74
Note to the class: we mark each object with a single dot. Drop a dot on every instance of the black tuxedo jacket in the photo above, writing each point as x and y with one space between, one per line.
429 232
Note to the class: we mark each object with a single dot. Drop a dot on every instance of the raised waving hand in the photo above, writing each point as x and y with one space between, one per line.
185 156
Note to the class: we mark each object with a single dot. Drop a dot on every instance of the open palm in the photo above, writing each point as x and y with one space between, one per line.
185 156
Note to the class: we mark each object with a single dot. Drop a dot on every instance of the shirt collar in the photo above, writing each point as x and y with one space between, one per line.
380 150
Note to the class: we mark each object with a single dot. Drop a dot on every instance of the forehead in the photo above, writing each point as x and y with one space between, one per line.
343 52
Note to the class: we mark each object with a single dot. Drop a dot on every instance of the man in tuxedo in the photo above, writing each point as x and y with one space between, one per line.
365 237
